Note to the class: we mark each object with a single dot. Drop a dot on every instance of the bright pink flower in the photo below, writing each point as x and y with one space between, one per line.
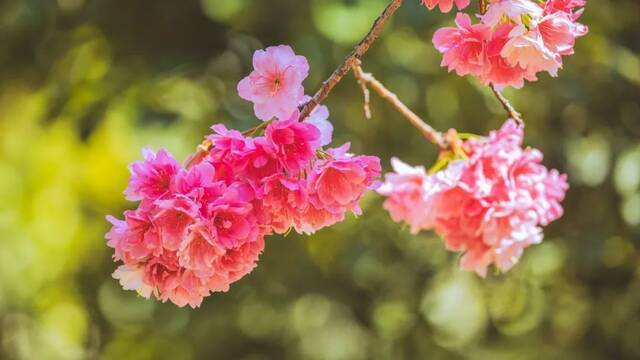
314 219
490 206
498 71
235 264
294 142
151 178
566 6
445 5
410 192
527 49
463 47
173 218
135 238
558 32
199 251
338 183
231 220
275 85
261 161
284 199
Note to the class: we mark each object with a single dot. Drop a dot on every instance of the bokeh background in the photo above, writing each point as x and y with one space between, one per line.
85 84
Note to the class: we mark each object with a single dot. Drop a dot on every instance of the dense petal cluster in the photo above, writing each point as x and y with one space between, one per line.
445 5
513 42
491 205
197 229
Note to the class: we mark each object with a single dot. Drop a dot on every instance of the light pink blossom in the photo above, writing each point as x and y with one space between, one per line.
131 278
295 142
172 219
463 47
275 85
491 206
445 5
151 178
135 238
339 182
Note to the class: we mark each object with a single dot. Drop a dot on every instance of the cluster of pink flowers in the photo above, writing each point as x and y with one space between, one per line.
514 40
490 203
197 229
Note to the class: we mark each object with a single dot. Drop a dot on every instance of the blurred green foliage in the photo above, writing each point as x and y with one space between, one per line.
84 84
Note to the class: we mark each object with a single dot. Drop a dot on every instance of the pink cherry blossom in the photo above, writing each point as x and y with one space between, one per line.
135 238
498 71
294 142
131 278
512 10
314 219
231 220
445 5
151 178
199 251
463 47
284 199
340 182
491 205
236 263
527 49
172 219
275 85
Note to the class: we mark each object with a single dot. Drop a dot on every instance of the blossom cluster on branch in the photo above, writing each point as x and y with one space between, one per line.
490 203
513 41
199 228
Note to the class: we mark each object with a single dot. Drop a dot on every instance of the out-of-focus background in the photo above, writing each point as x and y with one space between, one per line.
85 84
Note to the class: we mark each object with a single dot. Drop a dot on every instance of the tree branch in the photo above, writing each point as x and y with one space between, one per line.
506 105
425 129
350 60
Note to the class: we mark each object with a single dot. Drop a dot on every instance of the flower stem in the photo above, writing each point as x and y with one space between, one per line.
367 79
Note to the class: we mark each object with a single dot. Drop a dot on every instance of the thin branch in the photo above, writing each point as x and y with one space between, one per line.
357 70
482 5
350 60
425 129
506 105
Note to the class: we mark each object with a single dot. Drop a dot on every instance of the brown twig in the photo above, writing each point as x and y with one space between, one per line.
482 5
357 70
350 60
506 105
425 129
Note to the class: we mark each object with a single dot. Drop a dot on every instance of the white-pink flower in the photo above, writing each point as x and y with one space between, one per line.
491 205
275 85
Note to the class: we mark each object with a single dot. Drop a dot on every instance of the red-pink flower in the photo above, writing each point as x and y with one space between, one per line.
172 219
445 5
231 220
284 200
151 178
199 251
491 205
314 219
275 85
498 71
463 47
339 182
235 264
135 238
294 142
